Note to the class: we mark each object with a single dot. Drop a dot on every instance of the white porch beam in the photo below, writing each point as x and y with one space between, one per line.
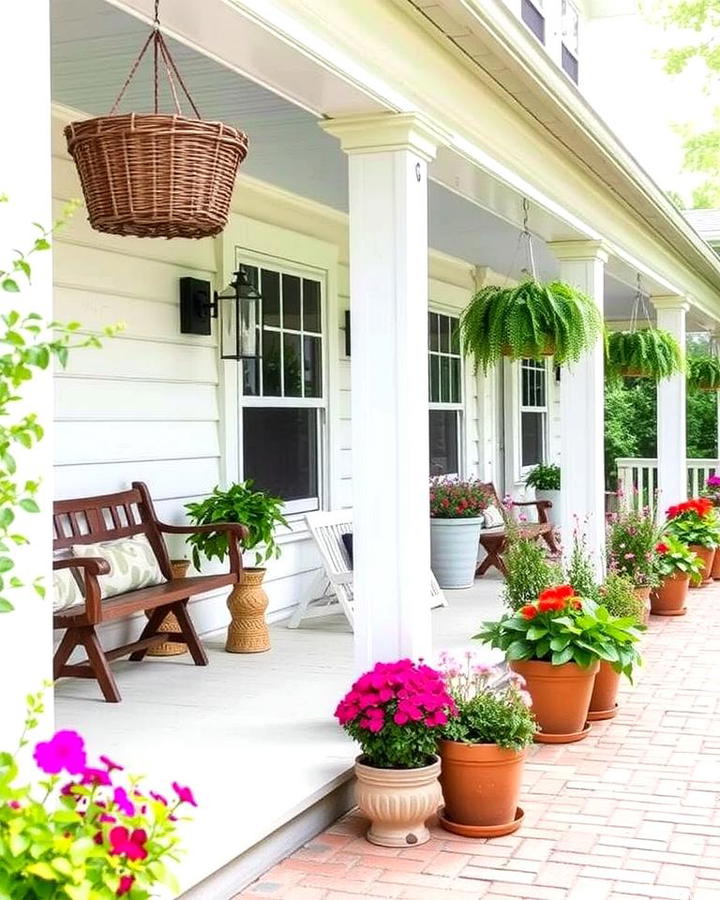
25 160
582 412
671 409
388 156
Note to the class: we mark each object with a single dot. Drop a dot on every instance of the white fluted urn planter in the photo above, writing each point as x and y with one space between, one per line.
398 802
553 513
454 550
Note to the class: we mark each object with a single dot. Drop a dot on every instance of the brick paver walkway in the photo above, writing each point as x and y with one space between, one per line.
630 812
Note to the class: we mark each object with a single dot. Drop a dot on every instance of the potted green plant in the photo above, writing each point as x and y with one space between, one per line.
677 566
483 748
618 596
529 321
396 713
556 644
528 571
643 353
546 481
695 523
632 537
703 372
261 513
580 571
456 517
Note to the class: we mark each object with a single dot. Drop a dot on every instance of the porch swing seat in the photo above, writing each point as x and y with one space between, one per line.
327 529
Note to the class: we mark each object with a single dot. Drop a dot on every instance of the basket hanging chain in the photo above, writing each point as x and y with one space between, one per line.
528 237
639 305
160 51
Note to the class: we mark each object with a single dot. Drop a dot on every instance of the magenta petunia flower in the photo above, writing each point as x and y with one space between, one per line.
109 764
185 795
122 801
126 843
64 752
95 776
125 884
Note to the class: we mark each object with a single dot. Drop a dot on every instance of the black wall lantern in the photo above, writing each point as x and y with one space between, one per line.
237 307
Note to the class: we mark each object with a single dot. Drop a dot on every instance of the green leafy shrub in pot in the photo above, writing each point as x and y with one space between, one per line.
675 557
529 572
529 320
258 511
544 477
580 571
645 353
617 594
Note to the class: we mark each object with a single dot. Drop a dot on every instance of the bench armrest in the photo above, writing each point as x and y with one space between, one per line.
92 566
236 533
542 507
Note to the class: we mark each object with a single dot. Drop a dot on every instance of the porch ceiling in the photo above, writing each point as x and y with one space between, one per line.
94 43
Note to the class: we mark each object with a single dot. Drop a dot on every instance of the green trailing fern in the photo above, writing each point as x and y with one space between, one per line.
645 353
529 321
704 372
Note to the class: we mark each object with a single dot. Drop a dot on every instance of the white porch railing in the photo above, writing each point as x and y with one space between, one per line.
637 478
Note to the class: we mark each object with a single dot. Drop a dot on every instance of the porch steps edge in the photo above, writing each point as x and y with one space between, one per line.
240 872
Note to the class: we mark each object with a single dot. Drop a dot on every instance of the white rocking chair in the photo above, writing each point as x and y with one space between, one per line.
327 528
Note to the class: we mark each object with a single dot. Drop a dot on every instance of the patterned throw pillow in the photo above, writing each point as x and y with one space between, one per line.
493 517
66 592
132 564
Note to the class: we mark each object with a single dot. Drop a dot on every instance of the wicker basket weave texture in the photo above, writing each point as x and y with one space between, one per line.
156 175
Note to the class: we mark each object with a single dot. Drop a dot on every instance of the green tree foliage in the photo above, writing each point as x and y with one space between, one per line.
630 423
699 23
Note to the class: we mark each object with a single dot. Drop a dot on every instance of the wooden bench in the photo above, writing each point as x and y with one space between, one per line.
494 540
111 517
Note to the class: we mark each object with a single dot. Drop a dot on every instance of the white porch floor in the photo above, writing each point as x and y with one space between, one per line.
252 735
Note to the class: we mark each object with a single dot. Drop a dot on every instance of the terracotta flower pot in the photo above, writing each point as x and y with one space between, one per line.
248 631
481 787
706 555
669 599
603 702
716 567
642 592
398 802
561 698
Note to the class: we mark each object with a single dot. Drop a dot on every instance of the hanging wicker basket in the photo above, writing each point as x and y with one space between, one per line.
155 175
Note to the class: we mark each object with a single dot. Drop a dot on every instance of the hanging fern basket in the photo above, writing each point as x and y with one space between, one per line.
157 175
645 353
531 320
703 373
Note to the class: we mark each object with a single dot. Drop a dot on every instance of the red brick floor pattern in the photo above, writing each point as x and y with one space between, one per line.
630 812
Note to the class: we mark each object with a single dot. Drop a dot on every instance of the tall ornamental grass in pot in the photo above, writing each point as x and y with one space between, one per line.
396 713
677 566
456 517
483 748
556 644
696 524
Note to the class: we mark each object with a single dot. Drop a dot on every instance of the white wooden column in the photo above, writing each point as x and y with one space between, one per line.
671 410
25 160
388 156
582 444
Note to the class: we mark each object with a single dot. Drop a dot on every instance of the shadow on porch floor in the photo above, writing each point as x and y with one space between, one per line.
252 734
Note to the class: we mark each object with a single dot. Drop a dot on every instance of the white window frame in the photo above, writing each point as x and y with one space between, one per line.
544 410
292 508
459 407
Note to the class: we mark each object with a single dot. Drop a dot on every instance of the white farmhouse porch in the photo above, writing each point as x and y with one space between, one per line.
314 203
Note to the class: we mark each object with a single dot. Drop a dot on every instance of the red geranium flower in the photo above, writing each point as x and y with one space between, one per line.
528 612
662 548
